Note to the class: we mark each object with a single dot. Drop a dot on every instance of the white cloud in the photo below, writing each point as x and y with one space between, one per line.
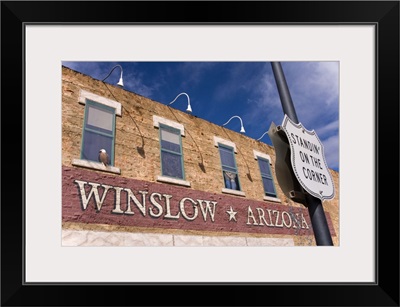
265 105
331 150
327 129
314 88
315 98
135 83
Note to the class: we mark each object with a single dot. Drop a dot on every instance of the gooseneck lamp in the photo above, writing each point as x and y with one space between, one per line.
120 82
241 123
189 108
262 135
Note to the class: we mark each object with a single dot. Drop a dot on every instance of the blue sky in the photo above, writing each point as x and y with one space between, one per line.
220 90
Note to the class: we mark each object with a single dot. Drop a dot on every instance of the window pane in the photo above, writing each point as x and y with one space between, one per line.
100 118
170 146
170 136
92 143
264 167
227 157
171 165
170 141
229 169
268 186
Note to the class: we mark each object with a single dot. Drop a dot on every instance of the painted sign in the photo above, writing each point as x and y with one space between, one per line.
308 160
96 198
157 205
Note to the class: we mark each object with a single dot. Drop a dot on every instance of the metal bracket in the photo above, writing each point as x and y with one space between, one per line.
283 168
298 197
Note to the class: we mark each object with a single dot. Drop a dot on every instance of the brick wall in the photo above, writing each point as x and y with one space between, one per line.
173 207
137 148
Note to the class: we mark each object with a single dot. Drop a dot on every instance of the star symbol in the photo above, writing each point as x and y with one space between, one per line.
231 214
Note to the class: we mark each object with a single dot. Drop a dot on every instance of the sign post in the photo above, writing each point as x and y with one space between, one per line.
310 171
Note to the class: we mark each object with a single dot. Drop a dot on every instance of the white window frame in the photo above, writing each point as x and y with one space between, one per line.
157 120
83 95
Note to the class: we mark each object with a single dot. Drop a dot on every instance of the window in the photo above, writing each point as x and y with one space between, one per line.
170 134
264 162
171 152
230 175
229 169
98 131
266 176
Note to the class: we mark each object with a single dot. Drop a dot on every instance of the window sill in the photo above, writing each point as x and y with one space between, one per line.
233 192
173 181
274 199
96 166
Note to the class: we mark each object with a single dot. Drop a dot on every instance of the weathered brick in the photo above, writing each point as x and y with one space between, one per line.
137 149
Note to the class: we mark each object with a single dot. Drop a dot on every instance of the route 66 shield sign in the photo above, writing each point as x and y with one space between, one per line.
308 160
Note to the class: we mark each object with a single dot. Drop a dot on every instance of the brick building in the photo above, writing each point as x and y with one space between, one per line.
173 179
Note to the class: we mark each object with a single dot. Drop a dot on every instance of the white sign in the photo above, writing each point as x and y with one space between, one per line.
308 160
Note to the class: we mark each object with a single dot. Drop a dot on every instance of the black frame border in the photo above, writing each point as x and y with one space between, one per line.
383 14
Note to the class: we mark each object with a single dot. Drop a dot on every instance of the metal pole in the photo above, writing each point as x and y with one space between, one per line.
286 99
318 220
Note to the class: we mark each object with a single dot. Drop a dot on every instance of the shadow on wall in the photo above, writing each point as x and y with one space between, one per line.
140 149
201 163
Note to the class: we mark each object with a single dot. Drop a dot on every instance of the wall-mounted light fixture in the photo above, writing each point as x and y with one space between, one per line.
262 135
241 123
120 82
189 108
